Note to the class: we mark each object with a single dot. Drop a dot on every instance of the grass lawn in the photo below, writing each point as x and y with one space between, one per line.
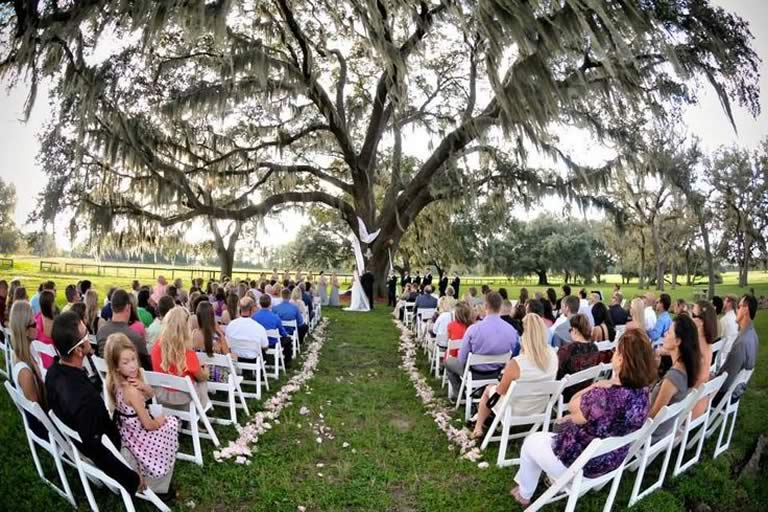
397 458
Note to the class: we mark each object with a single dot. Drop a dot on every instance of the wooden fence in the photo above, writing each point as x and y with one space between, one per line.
6 262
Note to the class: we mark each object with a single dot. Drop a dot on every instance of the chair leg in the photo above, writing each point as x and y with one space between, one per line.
68 494
193 426
503 444
86 485
468 403
614 488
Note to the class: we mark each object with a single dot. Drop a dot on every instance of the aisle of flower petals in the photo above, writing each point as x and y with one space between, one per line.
459 437
259 423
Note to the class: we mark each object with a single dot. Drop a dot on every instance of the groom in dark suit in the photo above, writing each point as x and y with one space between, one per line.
366 281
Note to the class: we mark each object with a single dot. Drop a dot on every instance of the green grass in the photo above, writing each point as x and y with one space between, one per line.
401 461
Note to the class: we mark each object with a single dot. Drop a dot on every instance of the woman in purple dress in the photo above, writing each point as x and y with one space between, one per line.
607 408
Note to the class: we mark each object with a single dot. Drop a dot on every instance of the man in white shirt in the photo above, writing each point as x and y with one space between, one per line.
246 337
729 327
650 311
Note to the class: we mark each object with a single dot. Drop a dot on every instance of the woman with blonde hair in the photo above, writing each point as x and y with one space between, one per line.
297 301
173 354
151 442
444 317
637 313
537 362
26 373
93 318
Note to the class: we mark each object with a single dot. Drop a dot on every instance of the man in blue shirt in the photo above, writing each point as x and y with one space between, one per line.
288 311
268 320
306 298
663 320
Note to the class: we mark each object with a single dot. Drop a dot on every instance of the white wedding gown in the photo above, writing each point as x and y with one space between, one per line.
358 301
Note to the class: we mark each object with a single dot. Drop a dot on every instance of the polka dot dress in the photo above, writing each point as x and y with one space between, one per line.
154 450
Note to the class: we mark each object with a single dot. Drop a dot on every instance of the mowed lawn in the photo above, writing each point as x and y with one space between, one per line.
396 458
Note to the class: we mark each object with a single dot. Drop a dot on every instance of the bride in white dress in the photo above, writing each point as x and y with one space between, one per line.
358 301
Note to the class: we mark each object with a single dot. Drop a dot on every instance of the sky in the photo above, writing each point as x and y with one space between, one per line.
19 144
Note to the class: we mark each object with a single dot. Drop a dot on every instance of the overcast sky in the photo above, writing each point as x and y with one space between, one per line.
19 145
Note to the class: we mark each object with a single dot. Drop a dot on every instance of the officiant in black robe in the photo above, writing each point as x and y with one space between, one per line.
366 281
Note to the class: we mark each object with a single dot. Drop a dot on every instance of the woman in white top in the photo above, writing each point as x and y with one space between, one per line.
537 362
445 315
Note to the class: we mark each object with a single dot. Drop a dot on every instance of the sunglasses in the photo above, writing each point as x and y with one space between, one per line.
83 340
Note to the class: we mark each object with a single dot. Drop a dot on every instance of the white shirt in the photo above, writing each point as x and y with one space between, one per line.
559 320
586 310
650 318
729 330
276 301
441 324
246 337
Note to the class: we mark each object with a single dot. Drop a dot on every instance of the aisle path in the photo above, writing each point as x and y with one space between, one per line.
396 460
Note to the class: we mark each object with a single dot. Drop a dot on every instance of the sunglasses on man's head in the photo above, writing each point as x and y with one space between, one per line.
83 340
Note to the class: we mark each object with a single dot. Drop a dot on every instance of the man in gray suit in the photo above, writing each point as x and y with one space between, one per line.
561 329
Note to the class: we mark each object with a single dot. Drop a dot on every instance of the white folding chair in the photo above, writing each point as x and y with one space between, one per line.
231 387
408 313
619 331
293 325
589 375
717 348
549 390
469 384
726 411
438 353
650 449
573 484
452 345
39 348
54 444
277 353
605 346
690 424
422 315
258 369
7 349
87 471
193 413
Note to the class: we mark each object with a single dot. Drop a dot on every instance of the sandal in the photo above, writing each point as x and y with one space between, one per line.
515 493
475 435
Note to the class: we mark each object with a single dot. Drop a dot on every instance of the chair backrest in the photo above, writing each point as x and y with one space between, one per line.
604 346
100 364
476 359
34 409
220 360
741 379
425 313
620 331
589 374
43 348
442 338
290 323
62 427
250 345
273 333
552 389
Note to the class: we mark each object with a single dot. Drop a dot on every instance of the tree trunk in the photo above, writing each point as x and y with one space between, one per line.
542 277
641 278
744 274
708 255
673 264
658 255
226 261
225 250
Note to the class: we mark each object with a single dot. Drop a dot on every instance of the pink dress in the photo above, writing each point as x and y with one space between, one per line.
154 450
47 360
139 328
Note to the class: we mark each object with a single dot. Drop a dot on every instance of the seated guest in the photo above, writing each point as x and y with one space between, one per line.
490 336
547 315
523 296
729 327
173 354
287 310
607 408
73 297
149 444
444 317
121 316
637 315
160 289
230 312
743 354
134 322
29 378
194 301
463 318
297 300
663 319
717 301
566 292
143 310
681 307
209 337
44 323
704 317
425 301
271 321
585 308
513 315
681 343
220 304
106 311
93 320
603 329
537 307
561 330
552 298
650 313
618 314
578 355
153 331
78 403
306 297
537 362
246 337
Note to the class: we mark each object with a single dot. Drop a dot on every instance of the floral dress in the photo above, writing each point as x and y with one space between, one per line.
614 411
154 450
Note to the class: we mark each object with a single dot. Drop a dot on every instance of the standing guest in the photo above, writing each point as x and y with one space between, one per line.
427 281
44 323
274 277
561 330
288 311
490 336
456 283
603 329
650 313
607 408
681 344
537 362
247 338
3 300
143 310
578 355
28 379
122 309
618 314
463 318
442 284
743 354
271 321
78 403
72 295
153 331
392 290
729 327
417 281
173 354
663 319
333 300
34 301
93 320
149 444
637 315
208 337
230 312
706 324
322 285
405 279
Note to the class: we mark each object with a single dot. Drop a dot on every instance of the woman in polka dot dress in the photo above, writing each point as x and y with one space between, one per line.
152 442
